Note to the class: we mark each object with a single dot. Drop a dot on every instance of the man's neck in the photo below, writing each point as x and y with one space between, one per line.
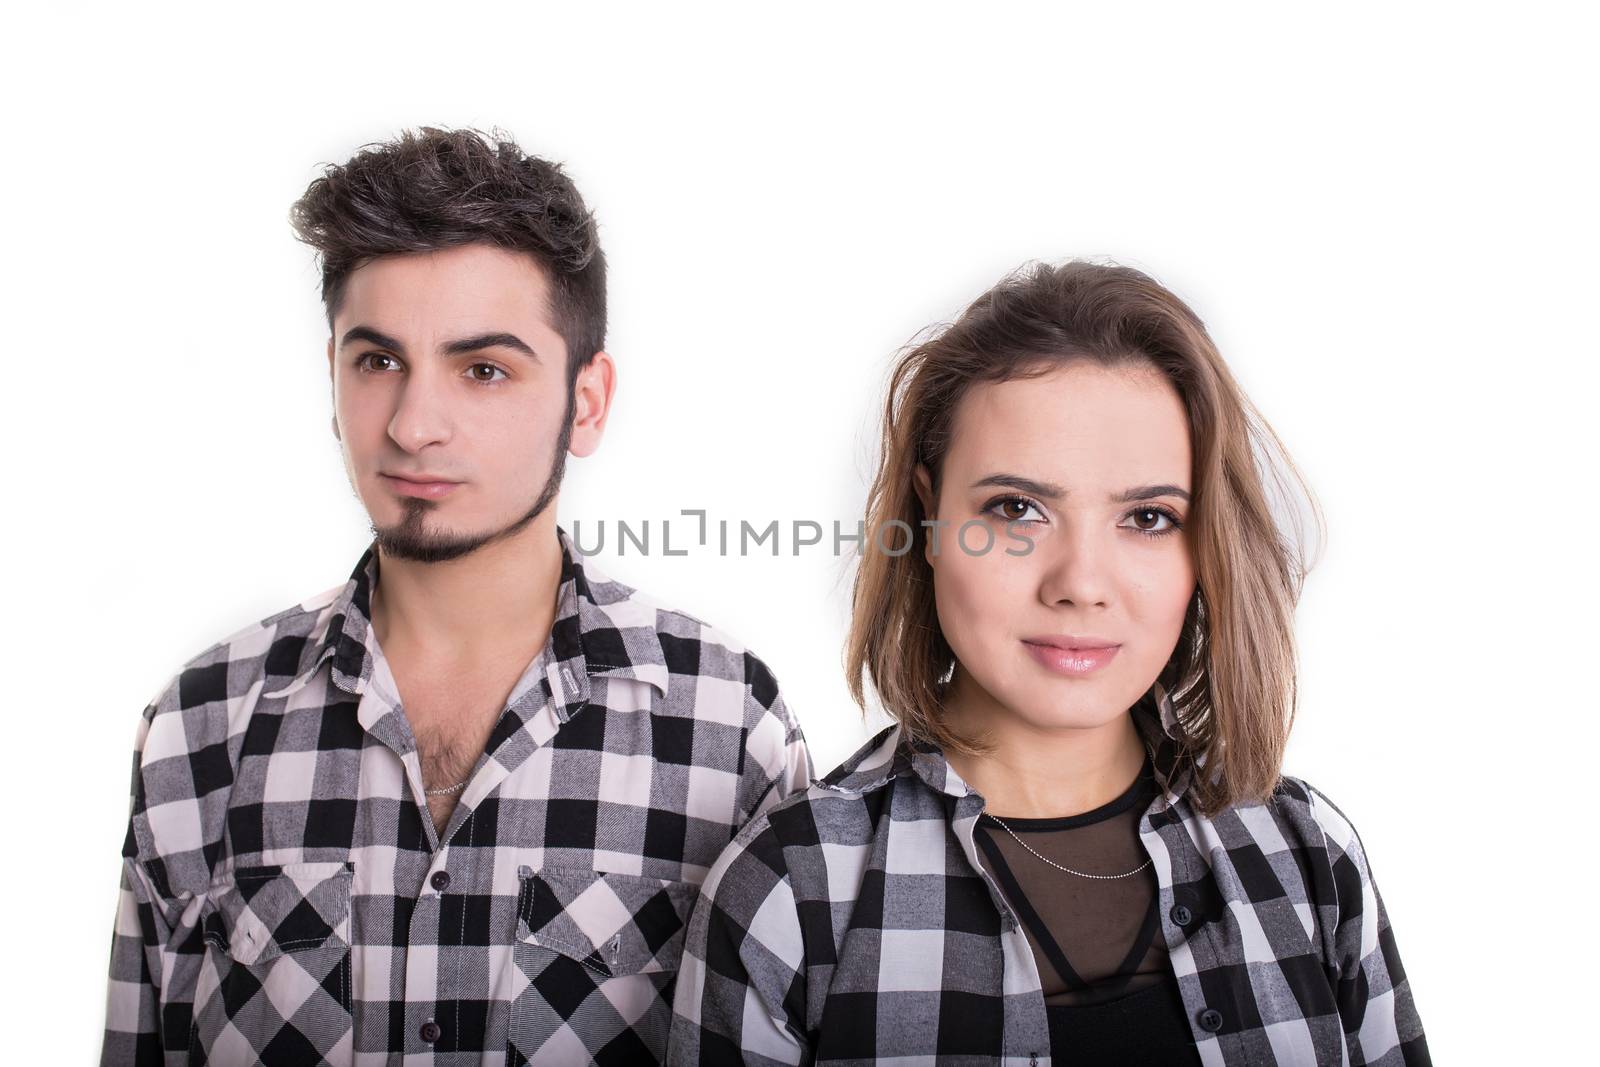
1043 772
499 598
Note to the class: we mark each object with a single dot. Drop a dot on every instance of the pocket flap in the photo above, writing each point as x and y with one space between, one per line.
614 924
260 913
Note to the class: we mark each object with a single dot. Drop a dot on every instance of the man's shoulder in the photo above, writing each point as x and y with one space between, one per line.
629 605
189 738
238 667
709 669
717 703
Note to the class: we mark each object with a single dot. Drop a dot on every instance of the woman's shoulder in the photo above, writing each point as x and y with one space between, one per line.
1298 822
831 808
1308 809
816 838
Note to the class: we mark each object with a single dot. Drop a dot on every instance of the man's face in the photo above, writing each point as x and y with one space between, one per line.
450 397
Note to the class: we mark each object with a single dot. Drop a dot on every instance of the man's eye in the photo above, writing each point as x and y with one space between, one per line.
368 361
476 369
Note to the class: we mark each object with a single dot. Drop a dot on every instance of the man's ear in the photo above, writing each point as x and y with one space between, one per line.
922 482
336 436
591 403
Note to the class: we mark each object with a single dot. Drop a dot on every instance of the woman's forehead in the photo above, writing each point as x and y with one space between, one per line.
1079 425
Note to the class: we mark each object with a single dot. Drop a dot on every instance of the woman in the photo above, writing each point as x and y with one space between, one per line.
1075 842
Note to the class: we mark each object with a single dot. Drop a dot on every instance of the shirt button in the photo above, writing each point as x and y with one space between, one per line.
1181 915
440 880
1211 1020
429 1031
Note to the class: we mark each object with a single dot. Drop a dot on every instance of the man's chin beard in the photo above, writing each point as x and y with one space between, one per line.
410 539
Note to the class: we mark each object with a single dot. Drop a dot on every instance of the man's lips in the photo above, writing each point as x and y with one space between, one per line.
425 487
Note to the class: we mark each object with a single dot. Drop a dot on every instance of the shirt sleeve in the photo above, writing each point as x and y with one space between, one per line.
1380 1019
177 805
133 995
740 995
139 936
779 763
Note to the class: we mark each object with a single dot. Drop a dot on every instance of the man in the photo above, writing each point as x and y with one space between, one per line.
457 810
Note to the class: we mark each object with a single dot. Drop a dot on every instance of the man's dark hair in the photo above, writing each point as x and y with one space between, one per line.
438 188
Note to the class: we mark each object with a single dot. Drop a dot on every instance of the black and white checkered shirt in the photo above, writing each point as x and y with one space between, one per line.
285 898
854 922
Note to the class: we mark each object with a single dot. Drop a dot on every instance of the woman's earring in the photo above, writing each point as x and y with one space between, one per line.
1169 714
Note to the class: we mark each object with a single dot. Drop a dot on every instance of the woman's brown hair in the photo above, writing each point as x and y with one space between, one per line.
1231 676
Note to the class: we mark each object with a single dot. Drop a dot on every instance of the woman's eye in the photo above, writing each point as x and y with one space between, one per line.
1150 521
476 368
1016 509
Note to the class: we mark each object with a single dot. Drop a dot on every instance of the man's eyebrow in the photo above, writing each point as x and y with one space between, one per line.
367 333
454 348
490 340
1054 492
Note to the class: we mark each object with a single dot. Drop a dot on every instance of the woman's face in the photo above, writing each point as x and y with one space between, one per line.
1093 465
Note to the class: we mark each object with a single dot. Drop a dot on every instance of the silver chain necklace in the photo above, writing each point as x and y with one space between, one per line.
1069 870
447 790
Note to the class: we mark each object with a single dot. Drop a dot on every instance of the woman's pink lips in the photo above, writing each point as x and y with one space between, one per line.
1073 662
428 490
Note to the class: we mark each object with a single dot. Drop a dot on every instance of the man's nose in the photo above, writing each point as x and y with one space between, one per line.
422 413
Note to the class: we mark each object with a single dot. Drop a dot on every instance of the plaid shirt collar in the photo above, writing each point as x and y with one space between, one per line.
894 752
586 640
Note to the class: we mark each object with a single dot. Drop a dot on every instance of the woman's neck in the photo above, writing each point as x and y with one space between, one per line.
1039 772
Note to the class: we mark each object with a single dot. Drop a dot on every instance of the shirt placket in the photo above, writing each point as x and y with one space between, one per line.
1192 941
381 715
1026 1034
430 981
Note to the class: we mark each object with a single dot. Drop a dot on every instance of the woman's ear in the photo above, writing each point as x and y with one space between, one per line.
922 482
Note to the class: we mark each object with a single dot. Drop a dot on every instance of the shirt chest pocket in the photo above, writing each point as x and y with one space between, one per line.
274 986
596 956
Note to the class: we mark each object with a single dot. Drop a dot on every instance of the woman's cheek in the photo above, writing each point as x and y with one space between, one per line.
979 599
962 602
1176 589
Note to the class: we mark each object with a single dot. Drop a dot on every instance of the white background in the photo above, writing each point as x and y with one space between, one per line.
1385 214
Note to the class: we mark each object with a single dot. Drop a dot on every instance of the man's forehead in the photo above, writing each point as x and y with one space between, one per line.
428 296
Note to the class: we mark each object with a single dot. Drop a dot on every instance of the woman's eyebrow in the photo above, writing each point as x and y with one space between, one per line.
1026 485
1145 492
1050 491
